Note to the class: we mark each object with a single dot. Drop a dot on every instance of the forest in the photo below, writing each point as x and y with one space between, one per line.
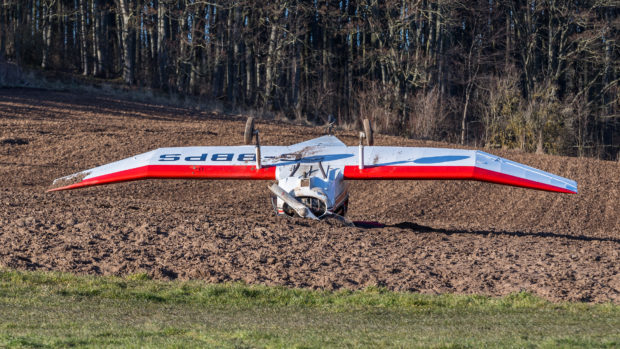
540 76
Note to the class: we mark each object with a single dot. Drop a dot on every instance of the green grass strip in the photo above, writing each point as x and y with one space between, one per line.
49 309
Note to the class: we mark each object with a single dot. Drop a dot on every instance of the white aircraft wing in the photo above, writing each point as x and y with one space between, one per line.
414 163
222 162
236 162
440 163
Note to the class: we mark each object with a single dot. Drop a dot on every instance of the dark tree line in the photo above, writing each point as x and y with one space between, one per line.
535 75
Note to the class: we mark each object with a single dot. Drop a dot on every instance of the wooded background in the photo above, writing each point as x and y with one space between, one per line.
534 75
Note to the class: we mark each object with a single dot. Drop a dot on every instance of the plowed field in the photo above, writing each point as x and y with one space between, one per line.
438 236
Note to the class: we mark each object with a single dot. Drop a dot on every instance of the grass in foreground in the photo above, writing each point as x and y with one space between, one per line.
55 309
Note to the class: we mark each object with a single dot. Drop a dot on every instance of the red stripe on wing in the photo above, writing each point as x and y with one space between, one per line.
409 172
179 172
445 172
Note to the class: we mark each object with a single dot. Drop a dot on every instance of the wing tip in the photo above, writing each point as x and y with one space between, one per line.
66 187
571 187
73 181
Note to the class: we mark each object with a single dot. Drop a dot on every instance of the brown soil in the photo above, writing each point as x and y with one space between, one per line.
439 236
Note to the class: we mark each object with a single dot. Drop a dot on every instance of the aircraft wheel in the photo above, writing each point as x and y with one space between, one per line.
368 132
249 131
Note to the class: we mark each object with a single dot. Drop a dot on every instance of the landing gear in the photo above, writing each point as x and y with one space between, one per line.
342 210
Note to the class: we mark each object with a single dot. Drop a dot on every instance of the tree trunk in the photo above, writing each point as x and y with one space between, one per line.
258 81
181 64
539 145
65 29
97 54
106 44
549 44
468 91
349 75
161 49
47 32
507 52
268 65
128 38
232 51
138 47
5 25
325 65
83 37
249 63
